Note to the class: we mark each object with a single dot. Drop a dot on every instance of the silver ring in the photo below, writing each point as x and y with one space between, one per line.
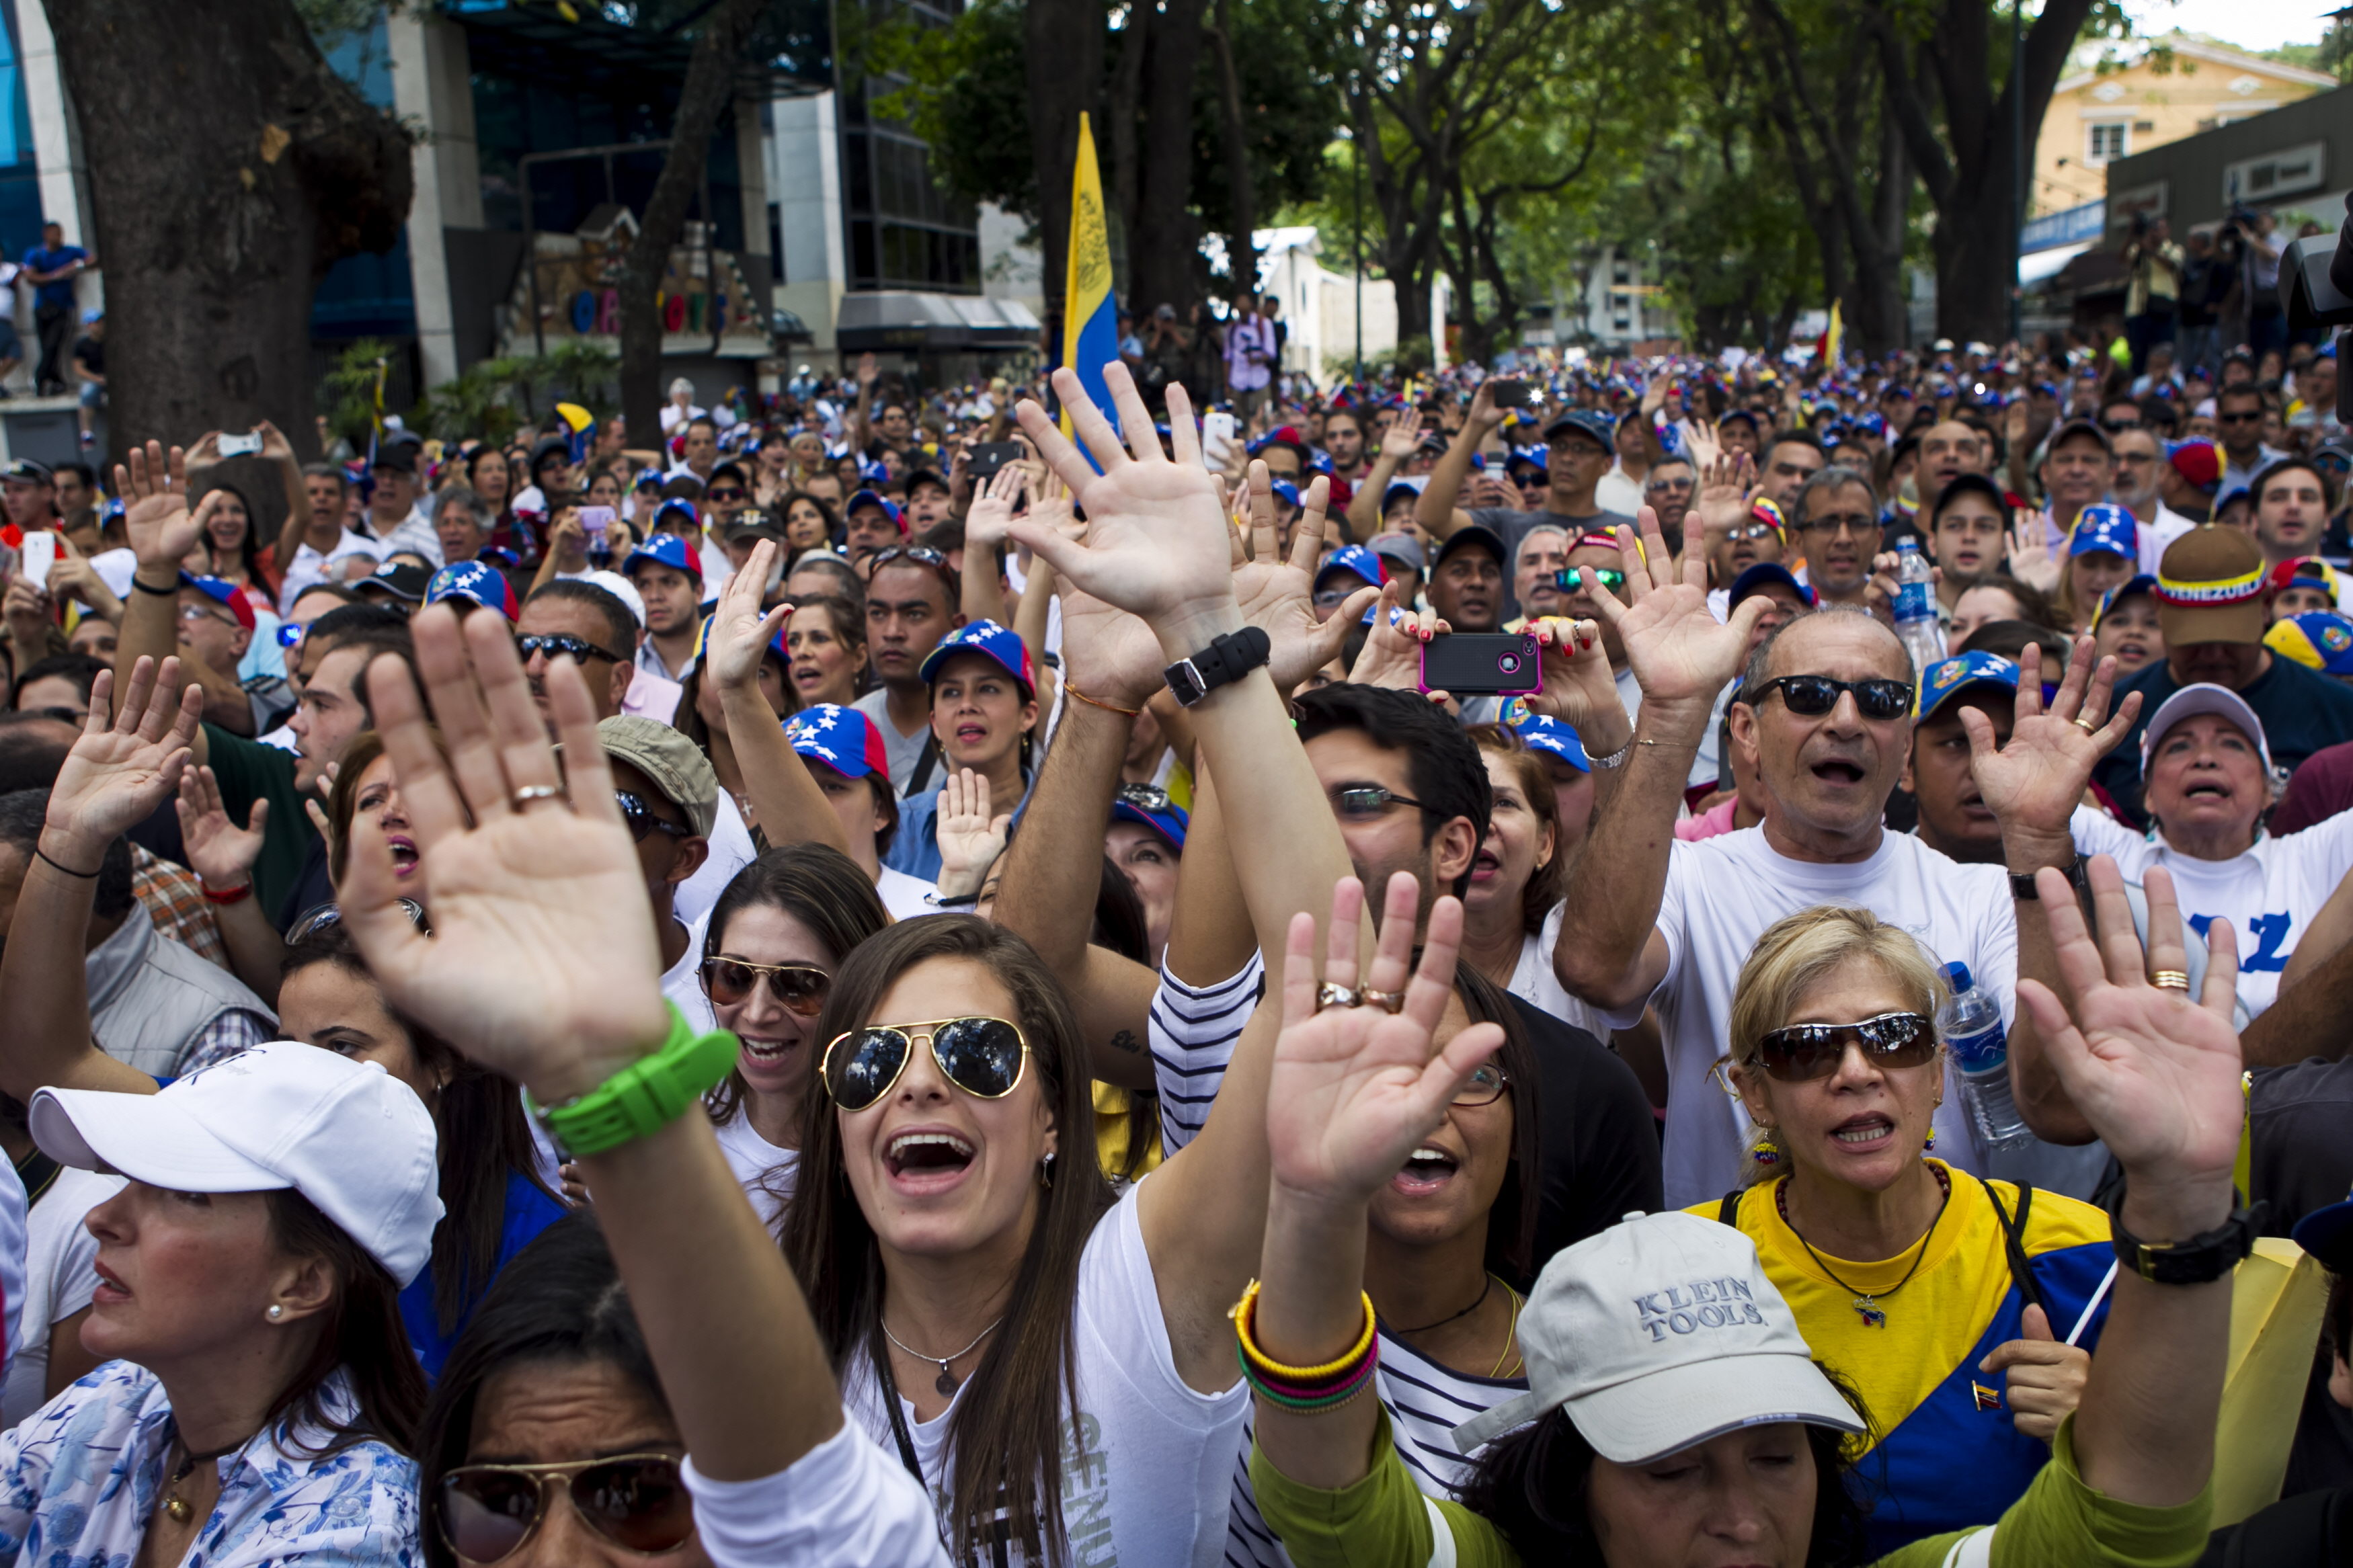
530 793
1330 995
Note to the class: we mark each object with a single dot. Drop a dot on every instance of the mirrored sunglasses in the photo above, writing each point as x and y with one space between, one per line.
1803 1052
986 1057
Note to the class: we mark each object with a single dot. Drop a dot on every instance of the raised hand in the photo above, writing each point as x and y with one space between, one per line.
1109 654
543 964
992 510
156 487
1402 440
1391 657
1705 442
1355 1089
970 837
2030 561
2155 1071
1679 651
1155 542
274 444
29 613
220 853
740 630
1278 597
2034 784
1578 688
1723 498
123 769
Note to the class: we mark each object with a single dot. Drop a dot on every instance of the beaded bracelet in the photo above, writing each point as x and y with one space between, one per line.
1309 1390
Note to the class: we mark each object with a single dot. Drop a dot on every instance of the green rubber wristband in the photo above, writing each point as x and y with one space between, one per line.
644 1097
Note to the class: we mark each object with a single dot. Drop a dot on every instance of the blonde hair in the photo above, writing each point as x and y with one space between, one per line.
1798 952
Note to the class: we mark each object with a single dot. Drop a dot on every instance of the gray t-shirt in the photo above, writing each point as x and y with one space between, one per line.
902 750
1513 526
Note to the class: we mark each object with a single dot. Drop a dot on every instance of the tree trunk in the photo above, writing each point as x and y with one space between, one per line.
1160 270
1242 247
224 181
709 88
1119 127
1064 41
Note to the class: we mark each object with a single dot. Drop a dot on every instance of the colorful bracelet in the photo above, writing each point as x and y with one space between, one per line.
1307 1389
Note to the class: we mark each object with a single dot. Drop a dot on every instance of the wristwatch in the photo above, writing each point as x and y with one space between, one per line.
644 1097
2021 883
2196 1261
1224 661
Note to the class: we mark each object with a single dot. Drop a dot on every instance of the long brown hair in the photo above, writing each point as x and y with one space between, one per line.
360 1331
1547 883
1004 1435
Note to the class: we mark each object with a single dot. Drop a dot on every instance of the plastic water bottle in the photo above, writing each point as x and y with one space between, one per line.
1971 1026
1915 607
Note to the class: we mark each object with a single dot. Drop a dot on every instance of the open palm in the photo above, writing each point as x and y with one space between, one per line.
740 630
123 768
1278 595
2035 779
1679 651
154 484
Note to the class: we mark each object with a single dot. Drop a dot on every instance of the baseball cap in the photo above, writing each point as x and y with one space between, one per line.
675 764
2317 639
400 579
997 642
1599 426
843 739
1412 485
25 468
2204 697
2141 584
665 550
1474 535
2104 526
621 588
348 1136
2328 1235
1942 679
648 480
1554 739
2310 570
478 581
1401 548
224 593
1537 457
2078 426
2197 461
1764 575
876 498
1355 559
1284 489
676 507
2209 588
1659 1333
1150 807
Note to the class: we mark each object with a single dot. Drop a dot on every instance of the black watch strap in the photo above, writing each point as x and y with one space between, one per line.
1223 662
2021 883
2199 1261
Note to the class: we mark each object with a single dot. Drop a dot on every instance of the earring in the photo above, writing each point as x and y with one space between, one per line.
276 1313
1766 1154
1931 1143
1046 1170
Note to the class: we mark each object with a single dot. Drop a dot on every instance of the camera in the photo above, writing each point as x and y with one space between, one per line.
2315 285
1507 664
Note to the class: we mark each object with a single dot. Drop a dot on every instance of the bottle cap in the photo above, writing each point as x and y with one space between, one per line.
1958 974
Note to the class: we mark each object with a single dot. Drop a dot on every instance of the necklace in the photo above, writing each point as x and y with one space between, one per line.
947 1383
1485 1287
1865 1303
177 1507
1511 1331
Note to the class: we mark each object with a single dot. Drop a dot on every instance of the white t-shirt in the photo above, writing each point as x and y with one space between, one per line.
764 1172
60 1273
732 849
1534 983
683 986
2269 894
846 1503
906 897
1721 893
309 568
1148 1473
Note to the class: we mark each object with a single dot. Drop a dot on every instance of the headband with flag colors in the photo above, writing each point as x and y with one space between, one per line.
1090 319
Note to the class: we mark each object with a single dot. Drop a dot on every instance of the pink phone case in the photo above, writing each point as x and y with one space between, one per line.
1528 651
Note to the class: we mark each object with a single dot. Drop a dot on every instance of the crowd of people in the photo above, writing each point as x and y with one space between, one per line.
877 980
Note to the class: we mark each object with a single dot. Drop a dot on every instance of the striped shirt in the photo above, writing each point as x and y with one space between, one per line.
1425 1403
1192 1032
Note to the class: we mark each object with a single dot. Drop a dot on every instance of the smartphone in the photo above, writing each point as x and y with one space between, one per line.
595 520
987 457
1508 393
40 554
244 446
1503 664
1217 439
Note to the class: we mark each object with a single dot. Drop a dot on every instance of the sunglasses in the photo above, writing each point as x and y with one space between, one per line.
553 643
1365 801
313 921
919 552
1145 797
1749 531
729 493
1811 696
636 1501
289 633
2114 426
797 987
641 819
986 1057
1804 1052
1568 581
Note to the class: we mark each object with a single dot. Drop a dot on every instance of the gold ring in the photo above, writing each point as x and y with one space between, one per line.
532 792
1330 995
2084 724
1386 1001
2171 979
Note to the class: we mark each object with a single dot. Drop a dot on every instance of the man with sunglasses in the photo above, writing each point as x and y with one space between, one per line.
670 799
580 621
1825 712
2238 422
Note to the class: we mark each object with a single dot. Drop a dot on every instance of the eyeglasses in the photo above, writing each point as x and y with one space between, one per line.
1568 581
312 921
1331 598
2115 427
729 493
797 987
641 819
1804 1052
1811 696
1483 1086
1854 522
1145 797
636 1501
198 612
1667 484
986 1057
2253 418
552 643
1363 802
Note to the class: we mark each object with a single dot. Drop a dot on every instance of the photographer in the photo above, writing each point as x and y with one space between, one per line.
2152 296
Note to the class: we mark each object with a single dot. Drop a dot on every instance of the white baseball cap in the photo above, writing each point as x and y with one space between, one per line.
347 1136
1660 1332
2204 697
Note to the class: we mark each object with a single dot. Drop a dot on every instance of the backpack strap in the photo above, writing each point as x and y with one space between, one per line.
2013 1242
1729 1212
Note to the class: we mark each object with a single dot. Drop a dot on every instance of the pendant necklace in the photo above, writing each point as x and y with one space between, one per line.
947 1381
1865 1303
174 1505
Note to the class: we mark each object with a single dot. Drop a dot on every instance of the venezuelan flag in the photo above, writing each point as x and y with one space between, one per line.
1826 353
1090 319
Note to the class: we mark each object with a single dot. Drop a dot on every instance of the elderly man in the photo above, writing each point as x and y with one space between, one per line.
2076 468
2138 487
1536 575
1835 516
462 520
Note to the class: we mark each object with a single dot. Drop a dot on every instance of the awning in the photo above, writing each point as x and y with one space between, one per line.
2043 263
903 319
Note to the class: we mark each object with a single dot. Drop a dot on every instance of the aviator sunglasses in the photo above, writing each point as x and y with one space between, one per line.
1804 1052
986 1057
636 1501
797 987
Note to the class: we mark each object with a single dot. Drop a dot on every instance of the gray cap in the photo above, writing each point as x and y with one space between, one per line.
1402 547
668 759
